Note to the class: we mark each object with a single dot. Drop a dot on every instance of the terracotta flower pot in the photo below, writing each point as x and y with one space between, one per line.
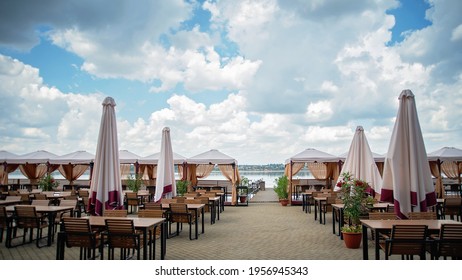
284 202
352 239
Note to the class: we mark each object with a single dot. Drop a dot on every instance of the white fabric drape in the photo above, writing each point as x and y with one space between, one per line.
165 181
106 185
407 179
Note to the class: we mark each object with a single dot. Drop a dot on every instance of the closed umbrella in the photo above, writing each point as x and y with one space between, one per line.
106 185
165 182
361 164
407 180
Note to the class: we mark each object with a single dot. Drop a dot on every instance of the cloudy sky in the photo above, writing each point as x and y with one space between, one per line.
259 80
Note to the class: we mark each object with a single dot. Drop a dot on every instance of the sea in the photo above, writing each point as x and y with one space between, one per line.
268 177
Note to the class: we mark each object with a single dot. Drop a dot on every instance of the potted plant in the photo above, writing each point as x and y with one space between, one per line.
134 183
181 187
353 194
281 189
243 189
48 183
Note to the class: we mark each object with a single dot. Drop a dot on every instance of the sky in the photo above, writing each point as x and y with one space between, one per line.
259 80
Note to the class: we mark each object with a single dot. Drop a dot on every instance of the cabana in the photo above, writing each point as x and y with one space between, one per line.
378 158
74 165
447 160
35 165
201 165
126 159
322 165
6 167
148 166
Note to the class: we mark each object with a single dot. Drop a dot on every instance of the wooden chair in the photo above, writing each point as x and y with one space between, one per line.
203 200
152 206
40 196
122 234
406 240
180 199
382 216
156 233
390 208
422 215
84 196
179 214
25 198
452 206
132 200
79 234
115 213
40 202
449 242
27 219
66 214
192 194
6 221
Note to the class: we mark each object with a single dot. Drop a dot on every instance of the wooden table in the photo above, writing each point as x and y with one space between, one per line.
10 201
143 224
379 226
196 208
50 212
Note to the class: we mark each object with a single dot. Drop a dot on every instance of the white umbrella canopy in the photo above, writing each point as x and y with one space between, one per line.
407 180
165 182
361 164
106 185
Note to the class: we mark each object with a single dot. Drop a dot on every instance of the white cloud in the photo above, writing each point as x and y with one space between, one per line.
296 75
456 33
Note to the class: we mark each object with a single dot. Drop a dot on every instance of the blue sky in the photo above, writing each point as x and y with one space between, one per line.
258 80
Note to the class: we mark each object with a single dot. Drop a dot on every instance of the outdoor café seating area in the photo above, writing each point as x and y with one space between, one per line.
435 233
139 229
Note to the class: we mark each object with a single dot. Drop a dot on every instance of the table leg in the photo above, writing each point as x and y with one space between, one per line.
341 222
60 246
365 251
315 210
203 214
163 240
333 220
51 225
145 243
377 246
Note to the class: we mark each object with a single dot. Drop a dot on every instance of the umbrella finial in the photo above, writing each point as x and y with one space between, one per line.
406 93
109 101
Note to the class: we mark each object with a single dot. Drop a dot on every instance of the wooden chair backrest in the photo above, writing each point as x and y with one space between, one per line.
422 216
40 202
382 216
115 213
148 213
